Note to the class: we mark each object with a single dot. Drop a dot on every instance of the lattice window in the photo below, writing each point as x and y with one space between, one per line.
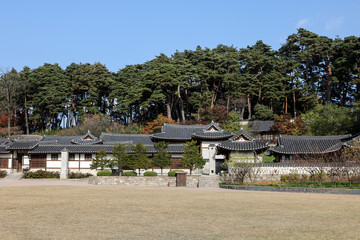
88 157
54 156
71 157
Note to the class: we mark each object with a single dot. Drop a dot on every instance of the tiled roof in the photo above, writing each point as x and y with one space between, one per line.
110 138
3 149
288 144
187 132
243 146
172 148
243 134
248 143
23 145
82 140
261 126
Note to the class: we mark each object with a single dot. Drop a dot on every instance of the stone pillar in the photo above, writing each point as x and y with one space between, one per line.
64 164
212 160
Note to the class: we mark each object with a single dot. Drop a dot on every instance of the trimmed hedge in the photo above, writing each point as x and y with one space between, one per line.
79 175
173 172
129 174
41 174
150 174
104 173
3 173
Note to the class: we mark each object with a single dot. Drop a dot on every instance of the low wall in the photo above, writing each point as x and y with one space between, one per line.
274 173
294 189
191 181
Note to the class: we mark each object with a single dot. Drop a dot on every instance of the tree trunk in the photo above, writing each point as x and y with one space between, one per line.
286 105
181 105
9 123
168 107
228 104
249 105
242 113
26 117
328 81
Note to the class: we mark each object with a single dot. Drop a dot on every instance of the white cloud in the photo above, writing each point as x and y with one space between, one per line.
303 22
334 23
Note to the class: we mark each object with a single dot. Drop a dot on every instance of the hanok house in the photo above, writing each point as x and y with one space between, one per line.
243 148
46 153
208 137
308 148
262 130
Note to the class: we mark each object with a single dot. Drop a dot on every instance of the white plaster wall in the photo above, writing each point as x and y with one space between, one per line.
85 164
53 164
73 164
48 156
82 157
77 156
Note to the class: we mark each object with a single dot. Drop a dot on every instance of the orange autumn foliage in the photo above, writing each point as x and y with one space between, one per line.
156 125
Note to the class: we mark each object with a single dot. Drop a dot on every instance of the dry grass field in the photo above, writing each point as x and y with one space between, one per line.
112 212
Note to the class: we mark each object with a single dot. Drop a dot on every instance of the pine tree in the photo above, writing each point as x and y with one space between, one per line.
162 158
192 157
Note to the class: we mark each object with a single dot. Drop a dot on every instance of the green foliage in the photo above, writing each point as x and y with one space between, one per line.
172 173
232 123
41 174
121 158
329 119
307 70
76 175
100 161
150 174
129 174
104 173
3 173
268 159
162 158
192 157
138 158
262 112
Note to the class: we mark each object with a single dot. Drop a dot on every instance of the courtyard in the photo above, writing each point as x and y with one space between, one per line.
74 210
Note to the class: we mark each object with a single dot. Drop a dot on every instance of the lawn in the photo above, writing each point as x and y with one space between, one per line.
112 212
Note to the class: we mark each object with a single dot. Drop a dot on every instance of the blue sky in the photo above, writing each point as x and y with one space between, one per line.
120 33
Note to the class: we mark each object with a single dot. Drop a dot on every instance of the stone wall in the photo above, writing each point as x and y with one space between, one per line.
162 181
274 173
209 181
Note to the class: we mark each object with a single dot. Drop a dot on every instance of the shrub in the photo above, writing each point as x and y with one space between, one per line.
104 173
3 173
129 174
150 174
290 177
41 174
79 175
315 177
173 172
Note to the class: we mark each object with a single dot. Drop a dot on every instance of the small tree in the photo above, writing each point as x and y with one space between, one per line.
100 160
120 157
192 157
162 158
138 158
262 112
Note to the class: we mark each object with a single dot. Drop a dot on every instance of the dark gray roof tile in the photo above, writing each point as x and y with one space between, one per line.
288 144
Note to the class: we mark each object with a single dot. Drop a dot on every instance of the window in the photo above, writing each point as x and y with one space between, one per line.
71 157
88 157
54 156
